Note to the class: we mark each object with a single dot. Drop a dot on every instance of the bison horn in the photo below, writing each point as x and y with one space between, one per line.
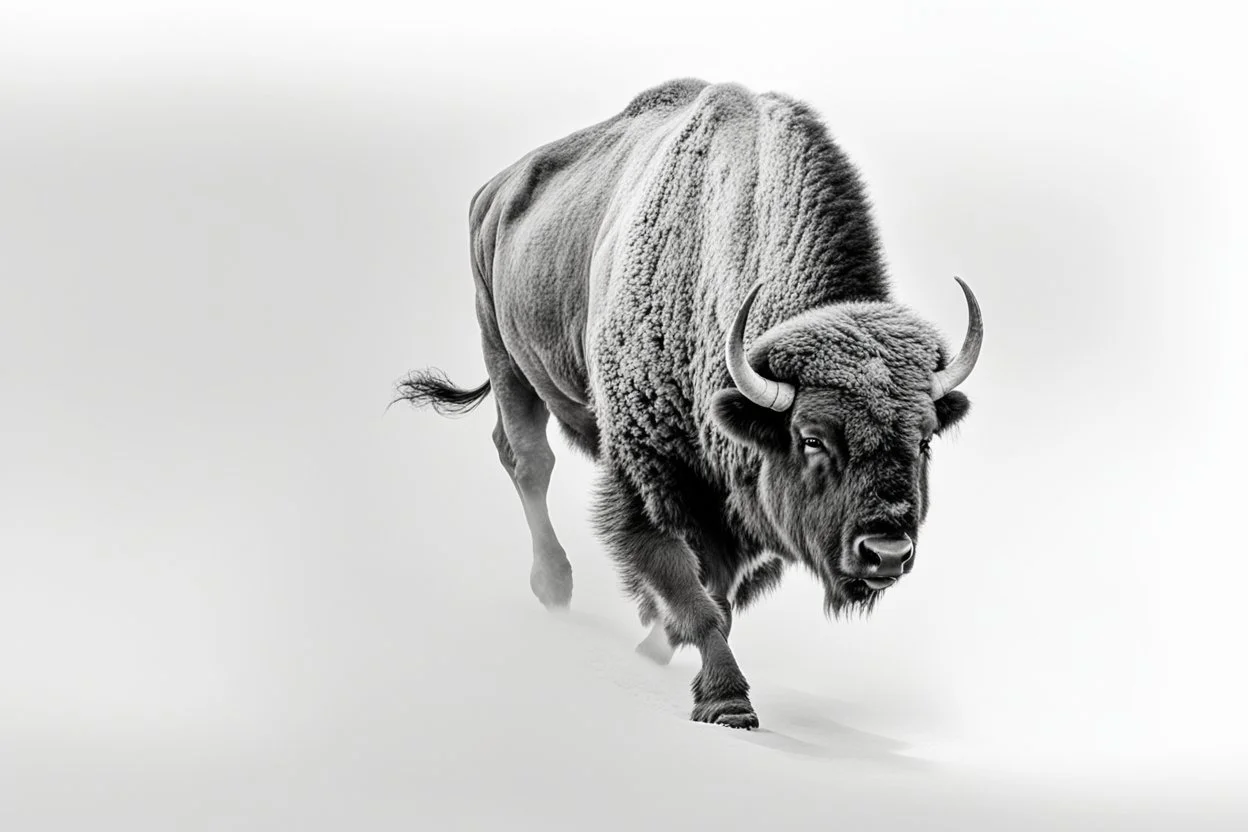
961 366
765 392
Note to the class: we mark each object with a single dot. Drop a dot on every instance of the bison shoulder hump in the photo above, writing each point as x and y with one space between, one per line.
665 96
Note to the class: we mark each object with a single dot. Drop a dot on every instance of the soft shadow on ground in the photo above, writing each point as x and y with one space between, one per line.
805 725
793 722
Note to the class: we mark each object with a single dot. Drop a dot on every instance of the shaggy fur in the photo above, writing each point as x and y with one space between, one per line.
744 187
609 266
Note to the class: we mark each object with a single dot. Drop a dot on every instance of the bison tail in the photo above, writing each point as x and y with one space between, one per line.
431 387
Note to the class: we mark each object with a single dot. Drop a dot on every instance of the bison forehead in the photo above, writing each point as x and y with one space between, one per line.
878 356
862 348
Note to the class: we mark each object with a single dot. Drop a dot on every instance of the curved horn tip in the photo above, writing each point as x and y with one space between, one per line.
966 290
960 367
753 291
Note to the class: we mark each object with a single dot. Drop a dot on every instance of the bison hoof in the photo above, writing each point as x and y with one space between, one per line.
735 713
552 584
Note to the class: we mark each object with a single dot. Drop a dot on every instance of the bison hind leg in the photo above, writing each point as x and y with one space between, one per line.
523 450
656 646
551 582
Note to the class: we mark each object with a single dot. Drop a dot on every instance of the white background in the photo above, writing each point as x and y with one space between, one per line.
237 593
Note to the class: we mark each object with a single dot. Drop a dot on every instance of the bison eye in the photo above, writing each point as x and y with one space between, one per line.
812 444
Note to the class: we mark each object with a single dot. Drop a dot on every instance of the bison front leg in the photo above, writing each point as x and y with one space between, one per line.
661 571
720 691
689 615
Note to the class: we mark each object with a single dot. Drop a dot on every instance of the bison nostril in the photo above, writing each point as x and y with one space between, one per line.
884 555
867 555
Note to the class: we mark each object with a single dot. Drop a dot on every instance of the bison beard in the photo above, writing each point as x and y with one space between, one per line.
620 273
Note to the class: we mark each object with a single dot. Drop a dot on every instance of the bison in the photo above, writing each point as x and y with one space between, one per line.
620 273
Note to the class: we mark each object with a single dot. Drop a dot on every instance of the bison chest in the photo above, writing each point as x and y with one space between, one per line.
754 578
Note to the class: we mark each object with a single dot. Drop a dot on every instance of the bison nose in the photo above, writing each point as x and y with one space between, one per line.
884 556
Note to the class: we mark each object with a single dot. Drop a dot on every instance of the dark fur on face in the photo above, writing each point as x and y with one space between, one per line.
851 456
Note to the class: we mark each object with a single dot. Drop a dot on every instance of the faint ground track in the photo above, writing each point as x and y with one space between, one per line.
794 722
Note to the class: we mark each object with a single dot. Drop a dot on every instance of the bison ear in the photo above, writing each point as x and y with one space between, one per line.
950 408
749 424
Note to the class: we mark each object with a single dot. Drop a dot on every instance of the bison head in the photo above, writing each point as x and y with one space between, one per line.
845 440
